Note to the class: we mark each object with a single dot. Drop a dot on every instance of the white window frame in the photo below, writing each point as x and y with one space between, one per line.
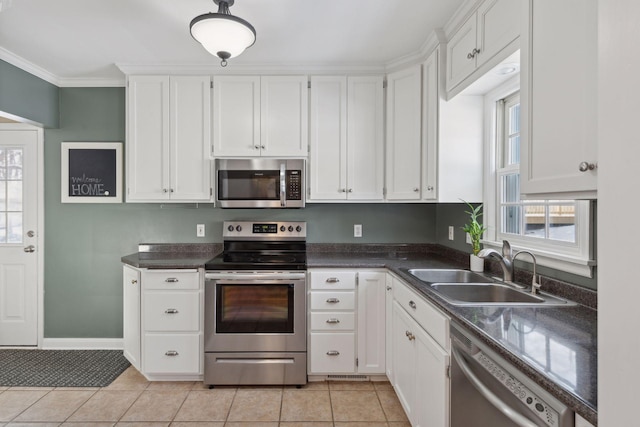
575 258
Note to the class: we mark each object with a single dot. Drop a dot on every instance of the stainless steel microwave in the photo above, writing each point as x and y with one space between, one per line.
260 183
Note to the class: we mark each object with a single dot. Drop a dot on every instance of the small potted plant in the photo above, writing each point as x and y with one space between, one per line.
475 231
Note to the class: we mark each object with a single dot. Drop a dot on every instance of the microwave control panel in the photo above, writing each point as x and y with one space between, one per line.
294 185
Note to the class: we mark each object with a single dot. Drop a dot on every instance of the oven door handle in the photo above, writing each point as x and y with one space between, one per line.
283 184
252 277
508 411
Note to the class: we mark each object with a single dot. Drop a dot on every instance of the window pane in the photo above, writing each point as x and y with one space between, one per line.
562 222
3 227
511 219
511 188
14 193
14 227
3 164
535 218
514 150
3 196
514 119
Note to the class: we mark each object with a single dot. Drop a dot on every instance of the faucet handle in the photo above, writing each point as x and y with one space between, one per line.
506 250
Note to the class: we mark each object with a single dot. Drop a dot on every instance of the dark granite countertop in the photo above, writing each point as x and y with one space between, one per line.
554 346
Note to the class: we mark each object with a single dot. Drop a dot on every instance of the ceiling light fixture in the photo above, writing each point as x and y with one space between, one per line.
221 33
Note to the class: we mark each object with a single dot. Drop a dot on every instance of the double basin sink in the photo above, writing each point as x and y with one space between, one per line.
466 288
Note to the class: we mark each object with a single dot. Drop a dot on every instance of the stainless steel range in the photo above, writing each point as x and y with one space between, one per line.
255 305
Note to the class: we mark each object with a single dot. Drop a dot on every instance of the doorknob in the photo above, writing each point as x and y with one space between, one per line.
30 249
30 233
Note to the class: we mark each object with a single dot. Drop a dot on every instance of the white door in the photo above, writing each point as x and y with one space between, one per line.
19 242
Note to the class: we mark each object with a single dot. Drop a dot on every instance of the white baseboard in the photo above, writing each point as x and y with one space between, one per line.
82 344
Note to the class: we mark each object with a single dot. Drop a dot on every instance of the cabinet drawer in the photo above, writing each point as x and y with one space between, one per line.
332 353
332 321
332 301
172 354
429 317
331 279
171 311
170 279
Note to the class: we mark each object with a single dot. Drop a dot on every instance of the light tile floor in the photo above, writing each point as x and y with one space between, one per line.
133 401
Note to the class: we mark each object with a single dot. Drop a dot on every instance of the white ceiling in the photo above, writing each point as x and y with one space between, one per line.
89 39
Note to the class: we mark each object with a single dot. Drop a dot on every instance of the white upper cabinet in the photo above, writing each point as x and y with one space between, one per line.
403 160
168 139
484 39
558 98
260 116
346 145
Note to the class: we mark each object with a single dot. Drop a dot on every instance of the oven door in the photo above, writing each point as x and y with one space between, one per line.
262 312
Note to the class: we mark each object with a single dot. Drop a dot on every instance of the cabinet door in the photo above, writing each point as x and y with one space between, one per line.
389 327
236 116
328 144
190 140
432 385
371 322
559 109
284 115
365 169
404 360
498 25
460 61
403 134
431 100
148 138
332 353
131 315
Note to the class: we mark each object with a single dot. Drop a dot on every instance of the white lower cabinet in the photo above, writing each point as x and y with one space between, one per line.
420 362
131 315
168 322
346 322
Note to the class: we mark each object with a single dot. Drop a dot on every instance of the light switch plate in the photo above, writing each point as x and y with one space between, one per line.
200 230
357 230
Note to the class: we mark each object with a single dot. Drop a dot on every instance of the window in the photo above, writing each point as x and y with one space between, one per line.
556 231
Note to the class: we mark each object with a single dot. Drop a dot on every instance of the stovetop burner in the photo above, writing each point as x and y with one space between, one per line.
261 246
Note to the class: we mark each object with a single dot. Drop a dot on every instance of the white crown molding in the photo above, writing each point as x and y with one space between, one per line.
459 17
27 66
88 82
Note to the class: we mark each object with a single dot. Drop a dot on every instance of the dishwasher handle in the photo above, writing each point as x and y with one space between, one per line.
517 418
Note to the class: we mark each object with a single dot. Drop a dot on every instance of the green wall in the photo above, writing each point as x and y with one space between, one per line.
84 242
27 96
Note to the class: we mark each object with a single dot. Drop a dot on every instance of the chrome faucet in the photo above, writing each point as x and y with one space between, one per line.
505 260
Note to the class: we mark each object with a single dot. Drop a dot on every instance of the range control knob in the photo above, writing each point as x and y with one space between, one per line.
238 228
230 228
283 228
298 229
290 228
540 407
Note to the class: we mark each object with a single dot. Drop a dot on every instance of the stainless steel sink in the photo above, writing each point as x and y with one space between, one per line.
447 276
465 288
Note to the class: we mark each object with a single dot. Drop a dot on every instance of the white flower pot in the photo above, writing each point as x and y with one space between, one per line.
476 263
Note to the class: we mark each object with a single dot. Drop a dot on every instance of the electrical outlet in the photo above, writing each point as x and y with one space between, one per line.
468 238
357 230
200 230
451 232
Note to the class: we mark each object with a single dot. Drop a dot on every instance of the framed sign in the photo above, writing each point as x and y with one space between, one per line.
91 172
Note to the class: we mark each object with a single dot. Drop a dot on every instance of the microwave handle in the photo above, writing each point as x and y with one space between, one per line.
283 184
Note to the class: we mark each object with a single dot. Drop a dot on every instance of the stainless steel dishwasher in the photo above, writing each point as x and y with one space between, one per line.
487 391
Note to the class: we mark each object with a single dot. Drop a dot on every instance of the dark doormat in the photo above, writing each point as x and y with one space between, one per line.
60 368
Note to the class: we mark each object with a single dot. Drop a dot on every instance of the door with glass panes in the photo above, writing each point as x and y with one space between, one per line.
19 251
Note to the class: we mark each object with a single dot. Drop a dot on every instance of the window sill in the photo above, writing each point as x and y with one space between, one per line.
574 265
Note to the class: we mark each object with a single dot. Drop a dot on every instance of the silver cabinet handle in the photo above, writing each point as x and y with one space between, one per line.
171 353
342 190
333 320
133 282
29 249
171 190
164 190
473 53
412 304
257 147
351 190
333 300
31 233
586 166
430 188
333 353
410 336
389 288
332 280
171 280
416 189
171 311
263 147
